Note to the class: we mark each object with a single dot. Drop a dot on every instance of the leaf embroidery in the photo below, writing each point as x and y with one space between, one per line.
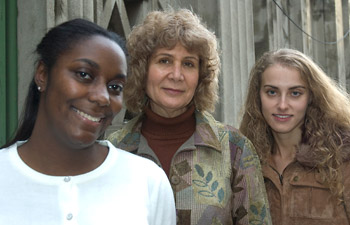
258 217
221 194
209 176
254 209
207 189
214 185
199 170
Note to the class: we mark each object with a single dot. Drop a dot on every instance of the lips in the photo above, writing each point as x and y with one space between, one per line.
173 91
87 116
282 116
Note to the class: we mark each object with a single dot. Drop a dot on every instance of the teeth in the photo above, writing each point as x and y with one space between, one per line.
94 119
283 117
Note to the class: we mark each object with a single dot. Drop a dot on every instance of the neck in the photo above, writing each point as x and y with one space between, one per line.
285 144
284 150
45 154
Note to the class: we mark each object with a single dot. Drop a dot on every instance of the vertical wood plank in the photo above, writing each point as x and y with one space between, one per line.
250 41
232 89
318 31
154 5
330 36
75 9
275 26
270 9
340 44
306 25
279 26
50 14
241 49
285 37
229 39
295 35
98 7
61 12
88 10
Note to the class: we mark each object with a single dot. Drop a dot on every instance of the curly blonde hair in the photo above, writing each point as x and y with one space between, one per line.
164 29
327 119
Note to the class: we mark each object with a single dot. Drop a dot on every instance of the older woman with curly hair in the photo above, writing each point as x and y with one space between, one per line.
172 86
299 121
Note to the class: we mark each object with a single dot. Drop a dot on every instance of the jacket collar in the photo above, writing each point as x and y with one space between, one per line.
206 133
307 157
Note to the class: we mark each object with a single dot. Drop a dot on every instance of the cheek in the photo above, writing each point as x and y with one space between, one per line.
264 103
303 107
117 104
193 82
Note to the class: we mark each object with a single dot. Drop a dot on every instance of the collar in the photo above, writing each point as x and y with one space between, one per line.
308 157
206 133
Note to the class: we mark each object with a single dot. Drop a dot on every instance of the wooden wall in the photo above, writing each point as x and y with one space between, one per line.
245 29
319 28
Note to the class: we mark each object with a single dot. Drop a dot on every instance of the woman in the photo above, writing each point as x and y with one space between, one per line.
172 84
54 171
299 121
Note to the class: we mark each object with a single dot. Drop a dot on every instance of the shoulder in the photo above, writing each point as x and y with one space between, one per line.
229 137
128 136
12 148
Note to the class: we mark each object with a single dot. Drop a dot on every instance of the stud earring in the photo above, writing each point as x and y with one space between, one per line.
39 88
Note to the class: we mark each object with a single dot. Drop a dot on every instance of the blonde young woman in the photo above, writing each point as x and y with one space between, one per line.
299 121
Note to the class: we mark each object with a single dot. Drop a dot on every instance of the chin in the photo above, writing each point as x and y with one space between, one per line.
84 142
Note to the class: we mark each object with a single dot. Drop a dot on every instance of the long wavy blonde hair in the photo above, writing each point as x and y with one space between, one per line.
164 29
327 119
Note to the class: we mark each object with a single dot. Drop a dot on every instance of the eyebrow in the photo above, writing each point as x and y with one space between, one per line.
169 55
120 76
90 62
291 88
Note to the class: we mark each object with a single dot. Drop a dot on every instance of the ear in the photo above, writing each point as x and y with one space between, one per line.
41 76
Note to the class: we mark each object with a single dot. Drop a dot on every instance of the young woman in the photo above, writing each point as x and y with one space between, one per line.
55 171
299 122
172 85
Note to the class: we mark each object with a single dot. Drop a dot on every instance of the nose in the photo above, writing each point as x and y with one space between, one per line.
283 103
176 73
99 94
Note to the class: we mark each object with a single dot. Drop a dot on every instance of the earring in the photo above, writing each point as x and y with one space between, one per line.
39 88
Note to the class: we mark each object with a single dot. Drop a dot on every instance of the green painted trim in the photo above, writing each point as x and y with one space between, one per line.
8 70
2 72
12 75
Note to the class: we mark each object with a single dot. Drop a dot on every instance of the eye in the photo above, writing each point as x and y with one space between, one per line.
116 88
271 92
83 75
189 64
164 61
295 93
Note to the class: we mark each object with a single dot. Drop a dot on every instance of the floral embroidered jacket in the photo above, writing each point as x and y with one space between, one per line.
215 175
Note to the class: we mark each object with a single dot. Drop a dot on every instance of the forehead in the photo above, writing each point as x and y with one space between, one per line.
282 76
99 49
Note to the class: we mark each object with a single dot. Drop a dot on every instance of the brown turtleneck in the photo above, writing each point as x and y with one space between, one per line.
166 135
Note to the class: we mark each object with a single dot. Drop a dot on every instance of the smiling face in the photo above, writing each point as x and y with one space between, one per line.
284 100
83 92
172 80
